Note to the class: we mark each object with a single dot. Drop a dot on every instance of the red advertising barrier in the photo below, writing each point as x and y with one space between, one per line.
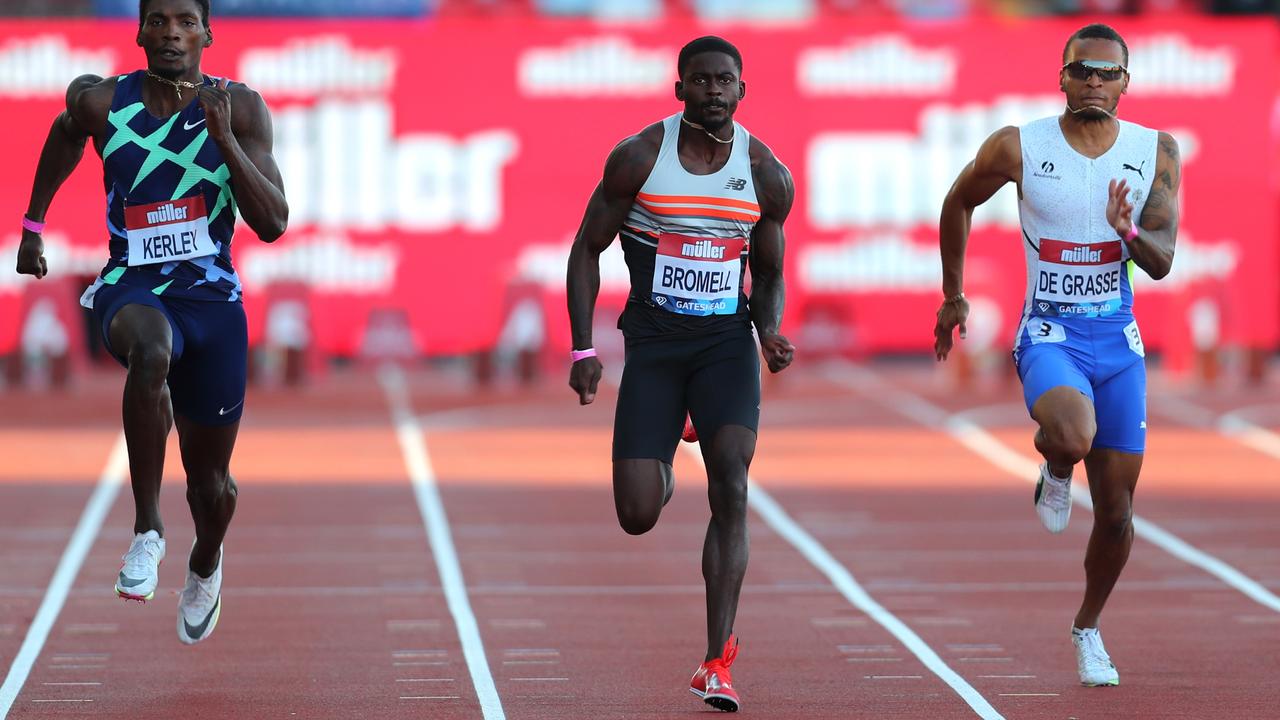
437 169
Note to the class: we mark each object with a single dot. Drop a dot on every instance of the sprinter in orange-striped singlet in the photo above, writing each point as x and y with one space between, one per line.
696 200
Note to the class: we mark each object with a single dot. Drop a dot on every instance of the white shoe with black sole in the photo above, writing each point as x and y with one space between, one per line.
200 604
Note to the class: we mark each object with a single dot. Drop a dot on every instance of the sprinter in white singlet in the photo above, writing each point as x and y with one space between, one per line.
696 200
1082 177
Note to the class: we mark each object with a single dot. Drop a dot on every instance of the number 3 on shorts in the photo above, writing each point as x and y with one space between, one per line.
1045 331
1135 338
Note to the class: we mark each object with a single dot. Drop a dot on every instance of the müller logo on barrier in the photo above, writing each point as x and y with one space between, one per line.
42 66
319 65
1171 64
591 65
879 65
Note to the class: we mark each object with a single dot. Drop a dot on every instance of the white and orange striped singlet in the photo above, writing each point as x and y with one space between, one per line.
687 236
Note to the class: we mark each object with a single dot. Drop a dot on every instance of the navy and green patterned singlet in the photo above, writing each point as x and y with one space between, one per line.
147 160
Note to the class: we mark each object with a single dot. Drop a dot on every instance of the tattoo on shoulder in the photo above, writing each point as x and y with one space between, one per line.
1170 148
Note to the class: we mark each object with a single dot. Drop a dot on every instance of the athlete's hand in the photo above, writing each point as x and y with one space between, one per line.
951 313
216 101
31 255
1119 209
778 352
584 378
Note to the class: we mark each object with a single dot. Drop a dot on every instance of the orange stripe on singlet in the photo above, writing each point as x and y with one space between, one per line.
699 212
698 200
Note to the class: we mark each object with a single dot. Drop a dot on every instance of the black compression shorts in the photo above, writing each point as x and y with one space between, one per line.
716 379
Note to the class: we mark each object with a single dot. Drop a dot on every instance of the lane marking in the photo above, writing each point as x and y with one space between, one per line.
1028 694
430 697
413 446
983 443
1232 424
840 576
95 511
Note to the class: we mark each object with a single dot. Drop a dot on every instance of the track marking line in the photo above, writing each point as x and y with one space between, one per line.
1028 694
873 659
95 511
420 662
540 679
986 445
1232 424
69 684
430 697
530 662
893 677
413 446
67 700
842 579
424 680
1020 677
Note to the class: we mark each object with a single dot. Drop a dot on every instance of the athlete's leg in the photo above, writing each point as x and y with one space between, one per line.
1113 475
646 430
211 491
724 403
1113 466
142 337
725 550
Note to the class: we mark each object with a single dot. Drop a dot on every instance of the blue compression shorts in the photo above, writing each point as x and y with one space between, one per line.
209 364
1100 357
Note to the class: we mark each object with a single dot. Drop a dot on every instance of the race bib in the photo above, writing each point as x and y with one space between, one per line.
168 231
1078 278
698 276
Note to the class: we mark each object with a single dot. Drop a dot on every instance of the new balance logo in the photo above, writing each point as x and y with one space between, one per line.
1138 169
1081 255
702 249
166 213
734 183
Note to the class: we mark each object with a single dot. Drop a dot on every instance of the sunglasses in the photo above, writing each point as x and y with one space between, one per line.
1107 71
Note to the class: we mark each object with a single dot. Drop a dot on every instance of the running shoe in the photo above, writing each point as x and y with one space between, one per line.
712 682
200 604
1053 500
1092 660
139 571
689 435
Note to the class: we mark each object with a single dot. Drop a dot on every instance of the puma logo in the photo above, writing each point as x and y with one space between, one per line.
1138 169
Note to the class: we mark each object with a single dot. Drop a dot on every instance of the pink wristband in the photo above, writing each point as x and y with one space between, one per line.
577 355
32 225
1133 233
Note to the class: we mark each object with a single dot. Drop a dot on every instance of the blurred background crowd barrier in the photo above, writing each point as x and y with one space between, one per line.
438 157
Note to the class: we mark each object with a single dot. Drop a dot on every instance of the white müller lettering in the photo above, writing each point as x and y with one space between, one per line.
1081 255
166 213
702 249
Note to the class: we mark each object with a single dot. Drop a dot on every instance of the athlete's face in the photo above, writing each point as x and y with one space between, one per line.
1099 90
710 89
173 36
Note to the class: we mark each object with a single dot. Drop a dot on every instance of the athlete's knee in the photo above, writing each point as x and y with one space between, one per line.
637 518
149 363
1069 442
1114 521
209 487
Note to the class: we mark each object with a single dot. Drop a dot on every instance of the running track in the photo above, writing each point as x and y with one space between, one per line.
408 547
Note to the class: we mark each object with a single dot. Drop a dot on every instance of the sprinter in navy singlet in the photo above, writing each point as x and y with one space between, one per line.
182 152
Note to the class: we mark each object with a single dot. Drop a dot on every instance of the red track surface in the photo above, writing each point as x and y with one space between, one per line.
334 608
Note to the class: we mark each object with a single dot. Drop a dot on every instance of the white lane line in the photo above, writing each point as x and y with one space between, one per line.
430 697
414 448
813 551
1233 425
1021 677
893 677
1028 694
985 444
95 511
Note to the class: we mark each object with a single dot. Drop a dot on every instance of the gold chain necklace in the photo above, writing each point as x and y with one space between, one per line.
177 84
696 126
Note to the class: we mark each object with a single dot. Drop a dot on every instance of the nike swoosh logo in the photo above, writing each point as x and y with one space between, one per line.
126 581
187 126
224 411
196 631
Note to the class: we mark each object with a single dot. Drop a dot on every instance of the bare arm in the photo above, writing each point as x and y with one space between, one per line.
1152 247
998 161
776 192
242 130
624 174
62 151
